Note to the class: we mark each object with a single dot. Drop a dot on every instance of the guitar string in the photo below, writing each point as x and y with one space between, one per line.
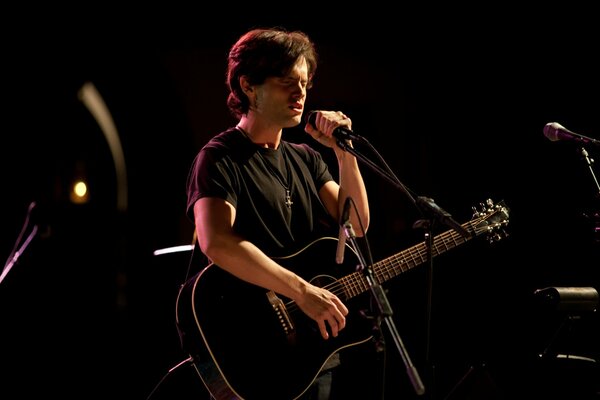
358 280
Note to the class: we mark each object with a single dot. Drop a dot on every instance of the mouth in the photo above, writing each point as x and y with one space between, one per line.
296 110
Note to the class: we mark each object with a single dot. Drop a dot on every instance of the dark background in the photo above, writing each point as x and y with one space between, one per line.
455 105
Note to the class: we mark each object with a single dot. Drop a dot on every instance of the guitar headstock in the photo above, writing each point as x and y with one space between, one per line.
491 219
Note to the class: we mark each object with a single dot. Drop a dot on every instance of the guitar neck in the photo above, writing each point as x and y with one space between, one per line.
388 268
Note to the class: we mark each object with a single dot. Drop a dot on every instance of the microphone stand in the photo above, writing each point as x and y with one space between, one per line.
14 256
384 309
428 207
596 214
589 163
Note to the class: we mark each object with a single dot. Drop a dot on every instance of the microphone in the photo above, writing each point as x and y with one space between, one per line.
340 133
555 131
429 206
342 236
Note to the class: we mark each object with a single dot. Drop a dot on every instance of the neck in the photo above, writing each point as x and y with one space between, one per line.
259 134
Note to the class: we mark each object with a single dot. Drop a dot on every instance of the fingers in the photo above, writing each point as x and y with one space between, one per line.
335 318
335 324
323 329
325 308
326 122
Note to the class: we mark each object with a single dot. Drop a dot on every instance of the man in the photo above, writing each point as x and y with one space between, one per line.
255 197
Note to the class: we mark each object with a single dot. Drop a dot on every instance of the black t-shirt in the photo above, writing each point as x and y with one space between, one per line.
256 181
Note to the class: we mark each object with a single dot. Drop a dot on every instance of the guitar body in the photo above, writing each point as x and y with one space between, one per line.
248 343
241 346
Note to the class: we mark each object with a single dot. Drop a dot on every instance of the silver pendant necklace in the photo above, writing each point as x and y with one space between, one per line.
286 184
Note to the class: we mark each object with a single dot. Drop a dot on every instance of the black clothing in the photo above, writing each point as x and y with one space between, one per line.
233 168
257 181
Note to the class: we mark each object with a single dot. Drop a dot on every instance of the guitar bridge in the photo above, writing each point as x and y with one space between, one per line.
282 315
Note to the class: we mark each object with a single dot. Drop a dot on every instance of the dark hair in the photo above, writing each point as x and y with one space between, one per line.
263 53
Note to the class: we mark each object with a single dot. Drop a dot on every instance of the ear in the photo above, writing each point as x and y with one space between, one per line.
245 85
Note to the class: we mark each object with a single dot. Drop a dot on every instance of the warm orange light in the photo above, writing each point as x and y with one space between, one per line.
79 192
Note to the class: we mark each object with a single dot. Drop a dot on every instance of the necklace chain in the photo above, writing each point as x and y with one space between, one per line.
275 173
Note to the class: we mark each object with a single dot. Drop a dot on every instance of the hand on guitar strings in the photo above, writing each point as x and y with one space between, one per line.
325 308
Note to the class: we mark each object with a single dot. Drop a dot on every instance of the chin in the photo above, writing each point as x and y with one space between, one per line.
294 121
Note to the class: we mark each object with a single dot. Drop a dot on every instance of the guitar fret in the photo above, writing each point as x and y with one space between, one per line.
357 284
418 254
354 284
410 258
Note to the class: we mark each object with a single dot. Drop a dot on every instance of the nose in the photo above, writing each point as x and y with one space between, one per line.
299 91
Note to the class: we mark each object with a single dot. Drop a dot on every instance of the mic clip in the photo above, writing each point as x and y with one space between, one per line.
343 144
430 208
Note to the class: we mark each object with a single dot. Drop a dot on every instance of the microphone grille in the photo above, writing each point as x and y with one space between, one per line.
311 117
551 131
